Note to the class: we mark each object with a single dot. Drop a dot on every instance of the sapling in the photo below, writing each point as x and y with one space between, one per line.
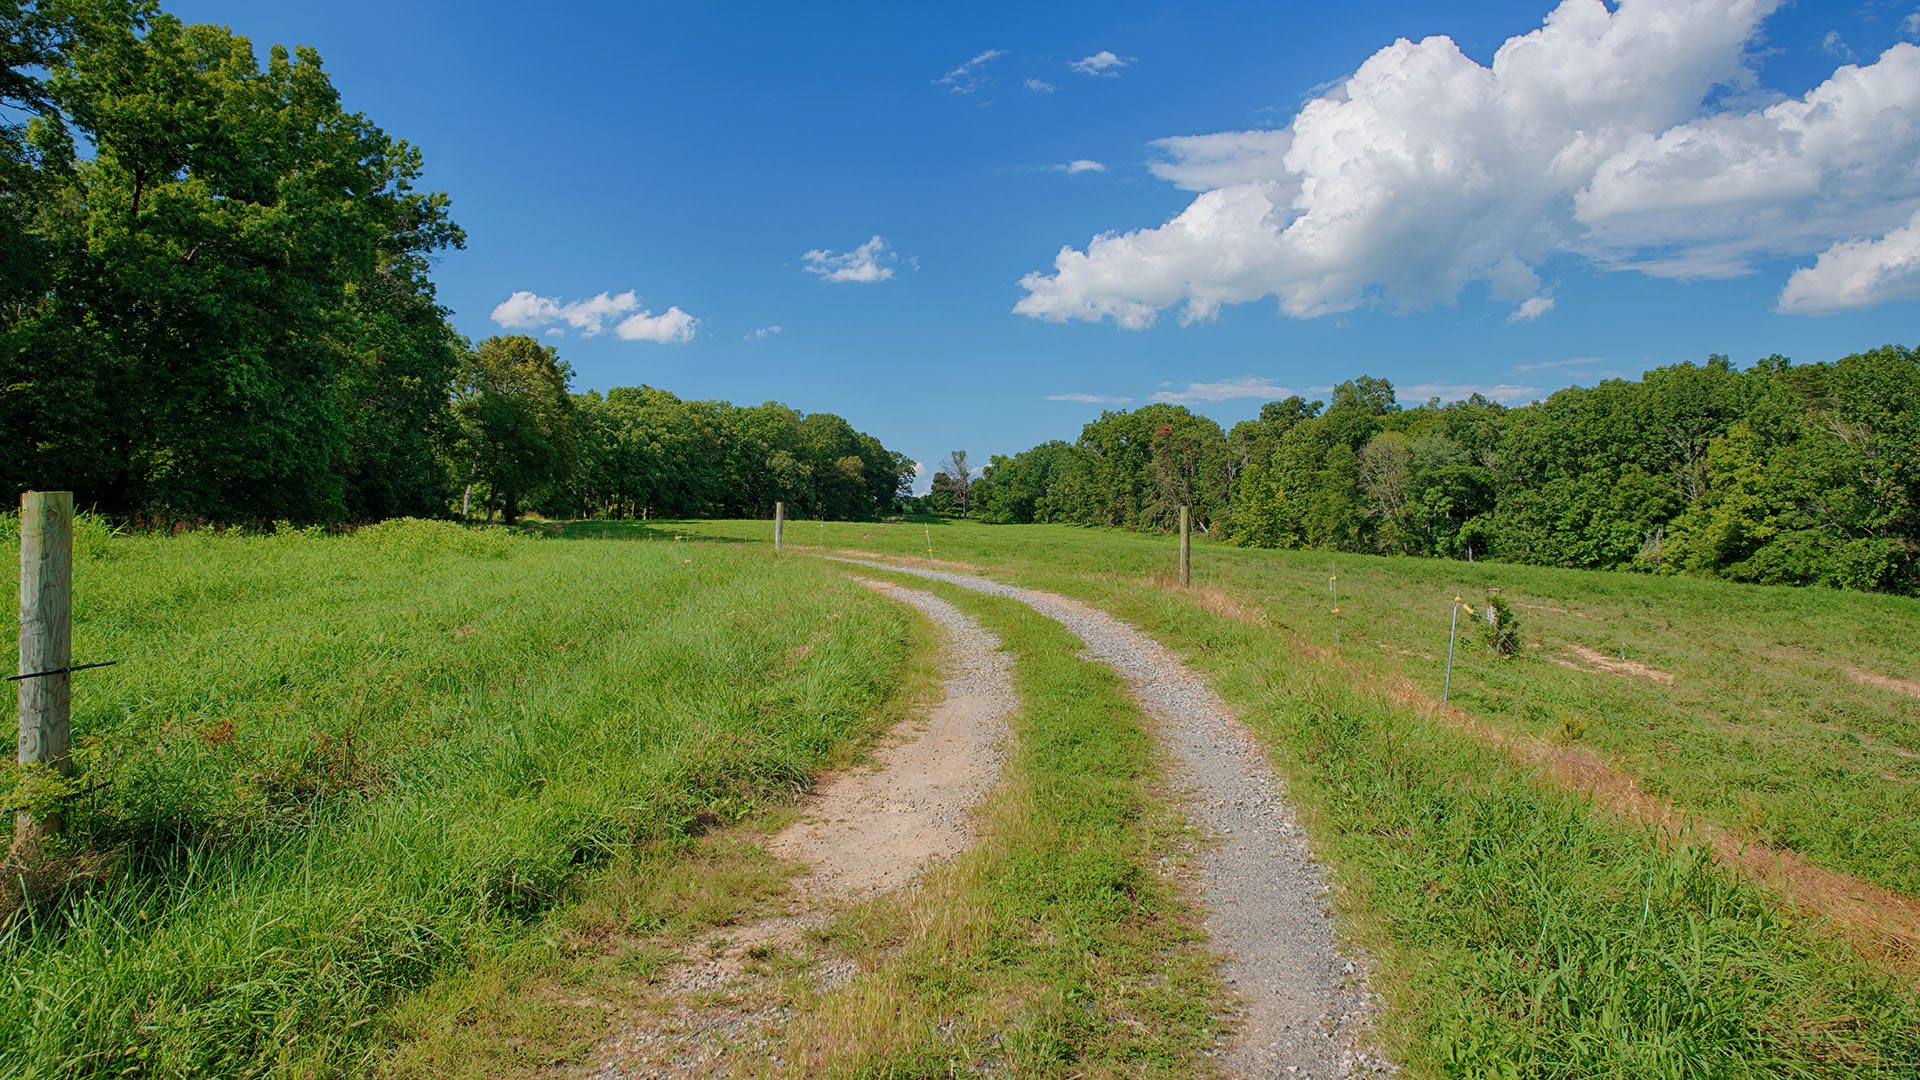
1503 626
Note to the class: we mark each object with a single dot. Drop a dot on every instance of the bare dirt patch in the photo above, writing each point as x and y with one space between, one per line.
1594 660
860 833
1552 608
1884 682
904 560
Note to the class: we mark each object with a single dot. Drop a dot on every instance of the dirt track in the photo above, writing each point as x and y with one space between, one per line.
1304 1001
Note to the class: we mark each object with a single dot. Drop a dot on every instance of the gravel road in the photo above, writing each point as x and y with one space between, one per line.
1304 1001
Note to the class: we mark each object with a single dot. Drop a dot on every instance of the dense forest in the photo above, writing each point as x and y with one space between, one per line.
215 306
1781 473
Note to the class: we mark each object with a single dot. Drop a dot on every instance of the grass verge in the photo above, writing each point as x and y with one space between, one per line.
344 768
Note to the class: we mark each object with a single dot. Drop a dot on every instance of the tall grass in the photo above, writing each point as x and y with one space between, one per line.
355 760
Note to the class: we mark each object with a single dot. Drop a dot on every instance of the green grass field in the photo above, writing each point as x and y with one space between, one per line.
370 757
364 790
1523 931
1777 718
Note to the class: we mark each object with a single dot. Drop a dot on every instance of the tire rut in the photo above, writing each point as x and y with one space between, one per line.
1304 1002
862 832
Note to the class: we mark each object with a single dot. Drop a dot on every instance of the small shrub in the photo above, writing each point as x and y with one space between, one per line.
1503 626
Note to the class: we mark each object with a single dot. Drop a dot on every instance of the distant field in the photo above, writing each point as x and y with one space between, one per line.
360 759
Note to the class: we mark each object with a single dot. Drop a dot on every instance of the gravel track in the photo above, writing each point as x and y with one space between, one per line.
1304 1001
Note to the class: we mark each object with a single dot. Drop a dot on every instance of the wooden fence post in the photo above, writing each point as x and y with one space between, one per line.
1186 549
46 643
779 525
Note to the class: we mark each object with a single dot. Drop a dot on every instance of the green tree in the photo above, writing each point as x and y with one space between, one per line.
515 425
226 293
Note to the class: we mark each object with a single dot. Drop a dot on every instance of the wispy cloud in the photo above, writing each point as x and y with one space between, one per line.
1531 309
1910 26
866 263
1091 399
967 78
1245 386
527 310
763 332
1833 46
1040 86
1078 165
1103 64
1543 365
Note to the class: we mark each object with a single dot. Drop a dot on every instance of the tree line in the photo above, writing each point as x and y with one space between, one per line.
1781 473
216 306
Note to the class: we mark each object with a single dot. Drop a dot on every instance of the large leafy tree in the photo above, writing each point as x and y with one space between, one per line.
515 427
229 316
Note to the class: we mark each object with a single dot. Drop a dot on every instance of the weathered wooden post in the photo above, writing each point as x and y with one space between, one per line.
46 643
779 525
1186 549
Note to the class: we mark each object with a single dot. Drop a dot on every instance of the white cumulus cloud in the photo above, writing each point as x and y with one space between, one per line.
1103 64
967 78
670 327
1858 273
1245 386
1531 308
866 263
1594 135
527 310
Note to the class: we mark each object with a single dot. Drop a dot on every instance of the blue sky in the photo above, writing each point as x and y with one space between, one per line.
1630 186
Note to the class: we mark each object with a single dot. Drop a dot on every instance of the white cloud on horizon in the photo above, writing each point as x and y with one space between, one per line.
526 310
966 78
1857 273
1426 171
1504 393
1103 64
1091 399
1577 361
865 264
1244 386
